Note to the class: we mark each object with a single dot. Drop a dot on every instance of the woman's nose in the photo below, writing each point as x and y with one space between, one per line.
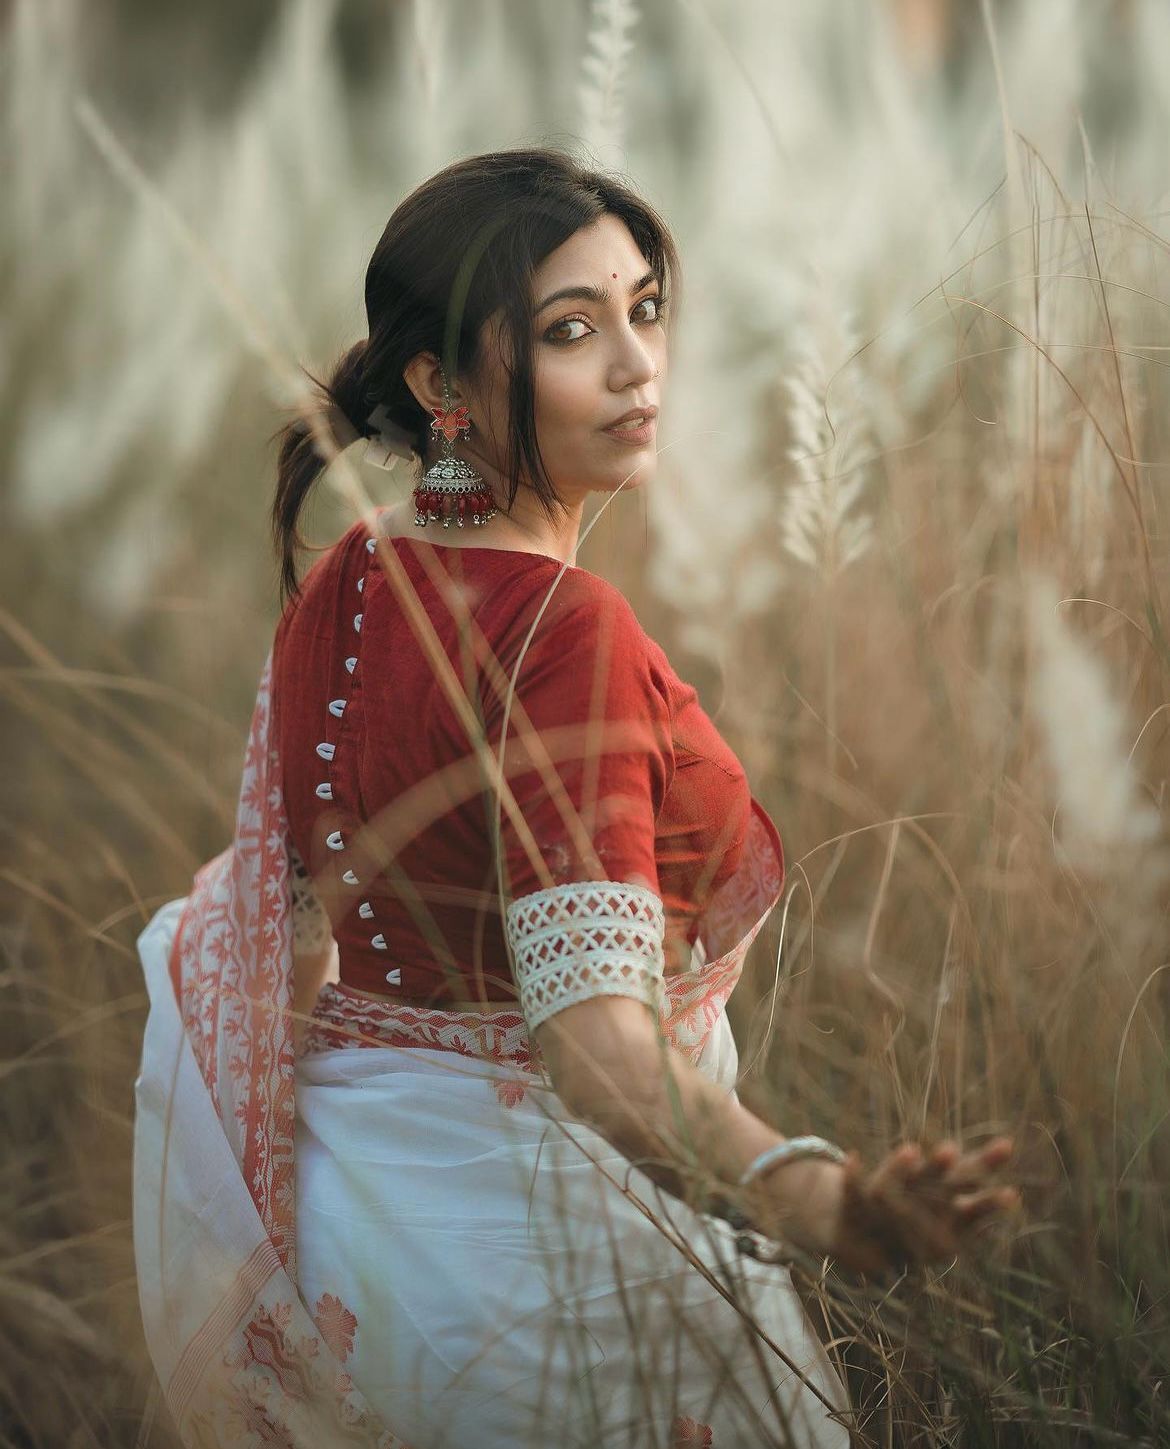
635 363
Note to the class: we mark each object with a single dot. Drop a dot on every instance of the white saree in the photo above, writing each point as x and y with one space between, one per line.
399 1237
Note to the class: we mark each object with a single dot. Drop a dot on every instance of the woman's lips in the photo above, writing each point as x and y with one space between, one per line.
643 433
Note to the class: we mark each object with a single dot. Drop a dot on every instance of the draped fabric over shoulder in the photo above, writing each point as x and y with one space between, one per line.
393 1233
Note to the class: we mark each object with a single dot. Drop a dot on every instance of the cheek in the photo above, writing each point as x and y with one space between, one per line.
566 396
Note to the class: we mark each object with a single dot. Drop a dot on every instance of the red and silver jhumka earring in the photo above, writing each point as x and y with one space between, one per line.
451 488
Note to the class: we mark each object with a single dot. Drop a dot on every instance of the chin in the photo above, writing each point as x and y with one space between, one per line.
636 473
615 485
610 480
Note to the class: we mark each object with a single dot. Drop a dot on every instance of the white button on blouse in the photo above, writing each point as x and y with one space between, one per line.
327 751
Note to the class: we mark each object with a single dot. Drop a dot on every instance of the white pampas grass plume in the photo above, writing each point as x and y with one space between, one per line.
821 523
600 94
1085 734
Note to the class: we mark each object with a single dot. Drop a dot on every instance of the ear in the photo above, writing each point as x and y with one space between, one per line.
424 376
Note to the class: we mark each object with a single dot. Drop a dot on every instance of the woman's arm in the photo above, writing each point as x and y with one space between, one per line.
610 1066
313 943
311 969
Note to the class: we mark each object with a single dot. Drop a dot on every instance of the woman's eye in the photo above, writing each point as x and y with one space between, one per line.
659 303
568 322
659 306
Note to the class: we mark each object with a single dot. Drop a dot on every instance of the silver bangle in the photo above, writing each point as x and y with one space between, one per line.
790 1150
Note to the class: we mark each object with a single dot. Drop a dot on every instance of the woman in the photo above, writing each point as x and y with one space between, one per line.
491 1183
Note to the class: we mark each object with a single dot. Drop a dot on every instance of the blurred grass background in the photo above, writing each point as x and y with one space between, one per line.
908 537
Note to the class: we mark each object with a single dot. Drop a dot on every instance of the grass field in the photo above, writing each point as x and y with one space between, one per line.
908 537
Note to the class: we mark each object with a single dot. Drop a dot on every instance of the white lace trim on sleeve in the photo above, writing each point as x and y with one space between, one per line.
312 931
583 939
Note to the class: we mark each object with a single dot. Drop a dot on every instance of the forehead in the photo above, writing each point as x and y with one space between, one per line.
591 255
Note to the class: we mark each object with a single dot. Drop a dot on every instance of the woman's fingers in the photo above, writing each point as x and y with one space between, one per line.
934 1192
974 1167
941 1158
943 1170
903 1200
923 1169
963 1196
885 1207
919 1204
973 1205
903 1164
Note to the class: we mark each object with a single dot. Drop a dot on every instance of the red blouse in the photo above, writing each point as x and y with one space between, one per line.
366 733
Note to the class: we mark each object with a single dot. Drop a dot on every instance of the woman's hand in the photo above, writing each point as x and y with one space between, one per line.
916 1206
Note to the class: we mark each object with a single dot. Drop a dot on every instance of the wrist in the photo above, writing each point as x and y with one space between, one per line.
796 1200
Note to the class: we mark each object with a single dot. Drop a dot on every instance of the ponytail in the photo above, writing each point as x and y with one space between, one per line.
299 464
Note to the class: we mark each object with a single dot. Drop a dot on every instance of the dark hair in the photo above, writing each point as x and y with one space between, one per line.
462 245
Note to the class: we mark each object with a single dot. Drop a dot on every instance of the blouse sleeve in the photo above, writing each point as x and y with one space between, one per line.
592 696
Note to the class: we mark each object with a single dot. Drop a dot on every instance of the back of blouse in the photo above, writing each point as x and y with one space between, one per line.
616 770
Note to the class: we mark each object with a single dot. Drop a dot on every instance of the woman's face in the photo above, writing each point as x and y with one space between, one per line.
594 360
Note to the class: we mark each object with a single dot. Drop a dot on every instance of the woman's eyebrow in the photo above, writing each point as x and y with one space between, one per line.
601 295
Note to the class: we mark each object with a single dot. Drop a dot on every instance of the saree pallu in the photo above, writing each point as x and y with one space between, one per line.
399 1237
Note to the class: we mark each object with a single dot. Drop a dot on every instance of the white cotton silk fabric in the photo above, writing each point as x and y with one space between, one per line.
506 1294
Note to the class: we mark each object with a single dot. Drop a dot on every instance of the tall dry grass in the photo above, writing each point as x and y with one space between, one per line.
908 536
